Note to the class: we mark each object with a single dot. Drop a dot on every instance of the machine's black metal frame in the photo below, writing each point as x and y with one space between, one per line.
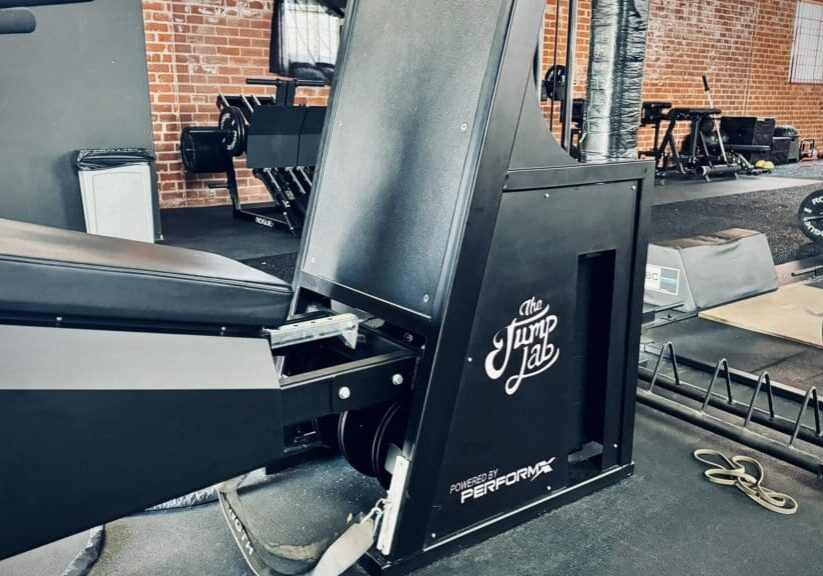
543 260
445 331
307 386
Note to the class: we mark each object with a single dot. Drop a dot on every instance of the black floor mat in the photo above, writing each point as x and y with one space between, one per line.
280 265
773 212
215 230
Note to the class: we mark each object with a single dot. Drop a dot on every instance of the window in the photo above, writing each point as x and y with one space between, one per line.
807 51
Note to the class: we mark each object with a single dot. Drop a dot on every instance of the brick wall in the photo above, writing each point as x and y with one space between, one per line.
200 48
744 46
196 50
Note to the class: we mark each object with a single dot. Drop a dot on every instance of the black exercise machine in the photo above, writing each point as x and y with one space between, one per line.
707 152
467 303
280 141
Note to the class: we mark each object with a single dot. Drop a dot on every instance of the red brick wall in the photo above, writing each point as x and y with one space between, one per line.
196 50
744 46
200 48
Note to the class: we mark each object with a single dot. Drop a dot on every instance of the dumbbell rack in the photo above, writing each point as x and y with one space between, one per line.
213 149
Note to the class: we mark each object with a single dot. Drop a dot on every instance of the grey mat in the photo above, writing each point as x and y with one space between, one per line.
773 212
664 520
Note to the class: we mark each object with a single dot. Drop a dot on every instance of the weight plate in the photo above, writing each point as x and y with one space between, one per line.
188 151
201 150
356 434
390 431
810 216
233 122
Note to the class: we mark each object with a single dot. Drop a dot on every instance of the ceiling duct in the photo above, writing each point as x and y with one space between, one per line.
615 83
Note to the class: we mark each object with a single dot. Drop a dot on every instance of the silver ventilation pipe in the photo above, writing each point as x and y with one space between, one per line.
615 83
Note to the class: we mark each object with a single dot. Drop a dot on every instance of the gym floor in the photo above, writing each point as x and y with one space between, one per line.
618 531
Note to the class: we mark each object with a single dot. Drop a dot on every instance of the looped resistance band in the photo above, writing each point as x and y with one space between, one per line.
733 472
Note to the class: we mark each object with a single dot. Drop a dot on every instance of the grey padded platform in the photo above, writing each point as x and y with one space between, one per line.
54 272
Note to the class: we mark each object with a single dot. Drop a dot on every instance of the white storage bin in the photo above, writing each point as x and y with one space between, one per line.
118 202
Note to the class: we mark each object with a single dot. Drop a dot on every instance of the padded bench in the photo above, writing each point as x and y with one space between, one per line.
52 272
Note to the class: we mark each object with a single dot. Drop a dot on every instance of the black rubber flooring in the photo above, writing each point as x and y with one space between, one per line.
773 212
673 190
215 230
665 520
806 170
280 265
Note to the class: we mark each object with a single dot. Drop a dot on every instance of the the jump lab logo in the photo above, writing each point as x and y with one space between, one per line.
526 340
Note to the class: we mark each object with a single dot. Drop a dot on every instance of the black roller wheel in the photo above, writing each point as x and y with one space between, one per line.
391 430
810 216
233 122
356 434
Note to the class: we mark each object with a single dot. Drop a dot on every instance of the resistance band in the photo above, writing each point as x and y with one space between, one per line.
733 472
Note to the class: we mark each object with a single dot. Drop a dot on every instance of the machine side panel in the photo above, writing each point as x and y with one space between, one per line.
521 409
96 425
402 120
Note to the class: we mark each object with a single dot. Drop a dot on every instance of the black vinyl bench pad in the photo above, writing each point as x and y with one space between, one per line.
72 274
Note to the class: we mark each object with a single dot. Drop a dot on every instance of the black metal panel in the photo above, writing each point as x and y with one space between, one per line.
310 135
510 70
96 425
76 459
526 350
393 167
274 136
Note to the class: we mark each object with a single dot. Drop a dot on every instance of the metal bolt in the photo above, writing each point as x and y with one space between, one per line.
397 380
615 446
547 195
426 298
344 393
464 127
470 359
634 188
434 535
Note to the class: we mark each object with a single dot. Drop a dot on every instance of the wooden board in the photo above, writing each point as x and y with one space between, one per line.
794 313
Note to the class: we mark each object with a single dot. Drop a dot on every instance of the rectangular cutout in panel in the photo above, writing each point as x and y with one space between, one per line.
593 313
